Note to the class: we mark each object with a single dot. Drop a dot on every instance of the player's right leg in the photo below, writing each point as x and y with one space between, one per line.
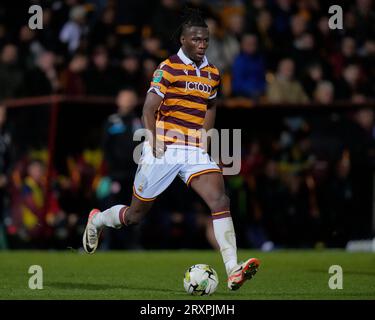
114 217
210 186
152 178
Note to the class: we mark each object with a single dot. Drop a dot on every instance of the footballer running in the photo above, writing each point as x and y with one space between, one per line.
182 101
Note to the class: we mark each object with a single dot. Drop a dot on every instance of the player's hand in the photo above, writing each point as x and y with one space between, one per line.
159 149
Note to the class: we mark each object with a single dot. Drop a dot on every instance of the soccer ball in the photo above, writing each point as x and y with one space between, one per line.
200 280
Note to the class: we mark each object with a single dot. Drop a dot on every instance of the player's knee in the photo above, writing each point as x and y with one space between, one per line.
220 202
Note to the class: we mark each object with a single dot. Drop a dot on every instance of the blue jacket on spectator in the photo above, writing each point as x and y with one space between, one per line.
248 75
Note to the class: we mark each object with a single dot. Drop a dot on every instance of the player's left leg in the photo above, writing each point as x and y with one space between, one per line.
210 186
152 178
113 217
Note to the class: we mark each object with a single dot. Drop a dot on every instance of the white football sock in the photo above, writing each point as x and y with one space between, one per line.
226 238
108 218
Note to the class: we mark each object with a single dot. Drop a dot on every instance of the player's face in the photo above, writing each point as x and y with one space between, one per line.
195 43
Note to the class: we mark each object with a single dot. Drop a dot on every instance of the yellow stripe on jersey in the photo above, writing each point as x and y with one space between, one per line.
179 130
184 142
182 103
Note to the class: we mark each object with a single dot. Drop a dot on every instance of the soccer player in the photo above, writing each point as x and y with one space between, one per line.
181 100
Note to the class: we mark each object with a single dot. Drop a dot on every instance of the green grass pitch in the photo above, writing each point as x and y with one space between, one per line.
159 275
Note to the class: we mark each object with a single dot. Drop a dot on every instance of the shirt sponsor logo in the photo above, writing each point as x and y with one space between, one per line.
201 87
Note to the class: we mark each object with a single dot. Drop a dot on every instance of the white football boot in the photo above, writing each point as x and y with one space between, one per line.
91 234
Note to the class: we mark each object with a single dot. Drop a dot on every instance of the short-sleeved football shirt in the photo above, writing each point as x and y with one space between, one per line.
185 89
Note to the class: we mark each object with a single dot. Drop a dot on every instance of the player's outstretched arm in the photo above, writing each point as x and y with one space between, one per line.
150 106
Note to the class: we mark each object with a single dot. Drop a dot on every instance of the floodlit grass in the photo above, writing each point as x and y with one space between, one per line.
159 275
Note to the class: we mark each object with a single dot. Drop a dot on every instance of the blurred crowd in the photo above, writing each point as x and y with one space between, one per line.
280 51
306 180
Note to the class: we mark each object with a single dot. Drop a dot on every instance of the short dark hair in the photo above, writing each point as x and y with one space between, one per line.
193 18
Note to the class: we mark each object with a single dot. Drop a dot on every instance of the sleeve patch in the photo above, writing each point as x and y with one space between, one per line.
158 75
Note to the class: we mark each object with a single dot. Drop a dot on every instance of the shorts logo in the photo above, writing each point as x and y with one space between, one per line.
201 87
158 75
140 188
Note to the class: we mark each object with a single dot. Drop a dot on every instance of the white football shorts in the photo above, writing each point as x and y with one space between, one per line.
154 175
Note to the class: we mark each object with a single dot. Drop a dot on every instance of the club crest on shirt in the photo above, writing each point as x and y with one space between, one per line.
158 75
186 72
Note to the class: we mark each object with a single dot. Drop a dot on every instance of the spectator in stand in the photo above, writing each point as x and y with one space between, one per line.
119 144
11 75
309 9
43 79
249 70
104 28
359 138
48 37
152 49
270 195
325 39
129 74
365 17
73 78
299 219
202 6
33 225
222 49
73 30
350 84
28 47
253 10
236 25
215 52
284 88
118 152
347 55
282 11
298 27
324 92
165 21
303 52
149 67
313 74
266 33
367 53
339 207
101 77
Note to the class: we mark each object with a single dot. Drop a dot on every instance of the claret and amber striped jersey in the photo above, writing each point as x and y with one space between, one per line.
185 89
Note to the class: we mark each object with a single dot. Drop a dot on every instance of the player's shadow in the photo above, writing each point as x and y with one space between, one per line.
96 286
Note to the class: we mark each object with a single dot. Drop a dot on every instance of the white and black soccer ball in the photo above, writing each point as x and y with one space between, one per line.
200 280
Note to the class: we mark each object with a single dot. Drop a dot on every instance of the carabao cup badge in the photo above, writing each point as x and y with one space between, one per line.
158 75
